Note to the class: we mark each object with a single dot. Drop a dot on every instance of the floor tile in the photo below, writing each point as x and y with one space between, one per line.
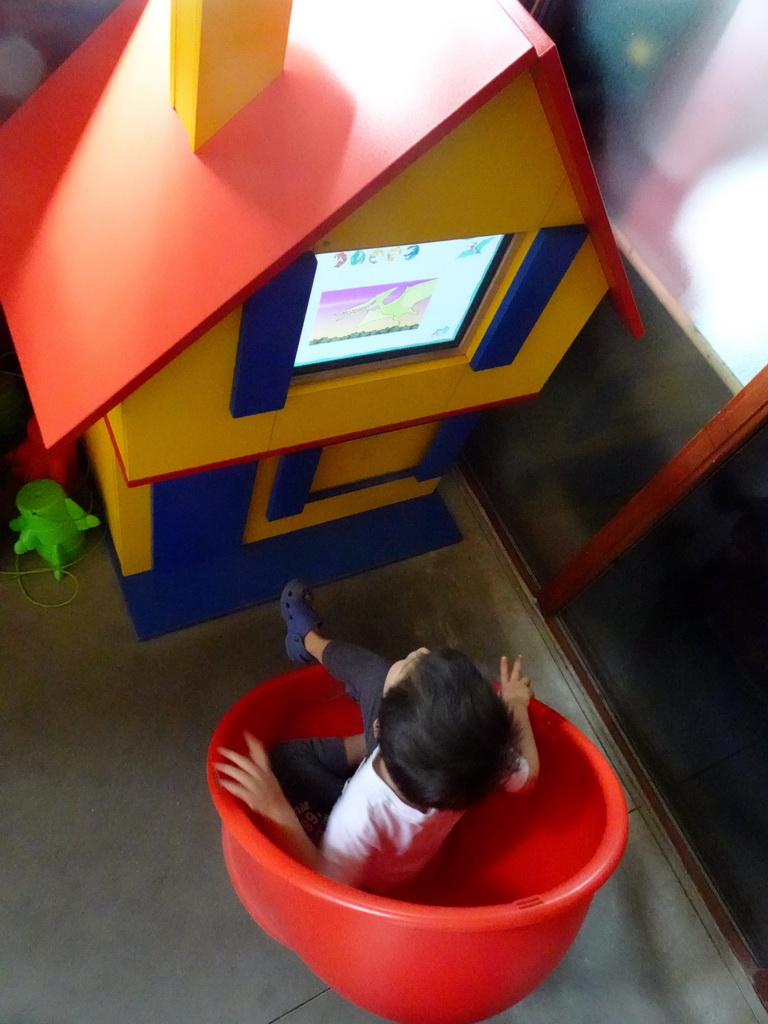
726 812
512 610
641 957
115 904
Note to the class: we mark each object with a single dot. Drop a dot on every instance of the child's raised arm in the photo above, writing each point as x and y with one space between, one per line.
252 780
515 689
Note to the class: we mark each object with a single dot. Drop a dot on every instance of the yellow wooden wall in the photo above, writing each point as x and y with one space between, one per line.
128 508
180 419
345 463
498 172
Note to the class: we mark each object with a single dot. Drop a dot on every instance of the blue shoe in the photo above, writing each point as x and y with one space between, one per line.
299 616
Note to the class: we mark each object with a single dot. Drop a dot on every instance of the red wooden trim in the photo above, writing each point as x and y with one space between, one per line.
273 452
761 986
725 433
555 96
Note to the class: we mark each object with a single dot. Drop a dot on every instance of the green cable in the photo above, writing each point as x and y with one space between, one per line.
19 574
42 604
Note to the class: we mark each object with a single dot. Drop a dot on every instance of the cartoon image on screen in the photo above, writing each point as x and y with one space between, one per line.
393 301
374 309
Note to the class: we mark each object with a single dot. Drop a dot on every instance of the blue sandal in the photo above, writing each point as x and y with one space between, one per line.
299 616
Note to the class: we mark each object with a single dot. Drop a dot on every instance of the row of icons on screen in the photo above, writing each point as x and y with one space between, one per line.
397 252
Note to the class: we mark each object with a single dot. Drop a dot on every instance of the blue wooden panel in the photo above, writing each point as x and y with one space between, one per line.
361 485
544 266
200 515
450 438
293 480
160 601
270 329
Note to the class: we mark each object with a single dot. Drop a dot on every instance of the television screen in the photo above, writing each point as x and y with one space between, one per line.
371 304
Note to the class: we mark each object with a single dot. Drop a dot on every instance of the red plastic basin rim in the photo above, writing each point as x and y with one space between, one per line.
580 887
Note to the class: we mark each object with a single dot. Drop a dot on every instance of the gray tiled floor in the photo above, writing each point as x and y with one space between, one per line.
115 905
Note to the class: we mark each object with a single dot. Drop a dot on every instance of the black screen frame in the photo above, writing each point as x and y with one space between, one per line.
417 350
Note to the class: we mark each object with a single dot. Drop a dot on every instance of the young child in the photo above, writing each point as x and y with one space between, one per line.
372 810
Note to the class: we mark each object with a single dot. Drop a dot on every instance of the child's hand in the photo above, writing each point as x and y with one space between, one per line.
515 688
252 780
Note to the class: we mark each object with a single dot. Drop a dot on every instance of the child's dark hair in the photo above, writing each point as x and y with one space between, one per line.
446 736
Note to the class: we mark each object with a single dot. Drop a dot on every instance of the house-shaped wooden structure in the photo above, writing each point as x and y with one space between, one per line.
156 296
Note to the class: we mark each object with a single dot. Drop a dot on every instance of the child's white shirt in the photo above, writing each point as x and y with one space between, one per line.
374 841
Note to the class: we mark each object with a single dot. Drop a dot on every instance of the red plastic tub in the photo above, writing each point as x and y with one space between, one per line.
488 920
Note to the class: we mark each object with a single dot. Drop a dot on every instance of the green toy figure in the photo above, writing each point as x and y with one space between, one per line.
50 523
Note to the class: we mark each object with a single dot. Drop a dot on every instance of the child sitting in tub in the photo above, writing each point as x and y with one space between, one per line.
372 810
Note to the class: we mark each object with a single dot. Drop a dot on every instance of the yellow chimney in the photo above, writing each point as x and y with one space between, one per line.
223 52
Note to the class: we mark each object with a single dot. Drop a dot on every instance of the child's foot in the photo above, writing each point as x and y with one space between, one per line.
299 616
